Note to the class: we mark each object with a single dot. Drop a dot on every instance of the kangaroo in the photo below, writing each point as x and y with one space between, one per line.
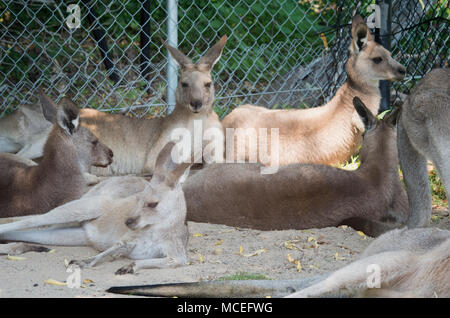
121 216
411 263
24 132
329 134
301 196
27 188
137 142
424 133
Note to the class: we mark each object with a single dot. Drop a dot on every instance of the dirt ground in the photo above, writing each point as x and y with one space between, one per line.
215 251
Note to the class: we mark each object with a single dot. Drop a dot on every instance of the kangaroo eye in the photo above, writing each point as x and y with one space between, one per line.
95 142
208 85
152 205
377 60
183 84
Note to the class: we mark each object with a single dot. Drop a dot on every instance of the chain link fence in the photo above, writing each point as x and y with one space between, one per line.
287 53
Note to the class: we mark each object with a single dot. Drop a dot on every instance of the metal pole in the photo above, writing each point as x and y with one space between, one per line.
384 38
172 39
99 36
145 39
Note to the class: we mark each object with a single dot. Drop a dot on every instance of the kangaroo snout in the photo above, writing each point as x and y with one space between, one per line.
196 105
110 156
132 222
105 159
401 71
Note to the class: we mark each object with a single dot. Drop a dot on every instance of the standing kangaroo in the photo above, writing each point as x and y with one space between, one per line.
329 134
137 142
68 152
121 216
424 132
411 263
301 196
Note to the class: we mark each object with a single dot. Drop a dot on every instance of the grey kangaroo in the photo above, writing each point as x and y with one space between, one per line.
27 188
24 132
424 133
301 196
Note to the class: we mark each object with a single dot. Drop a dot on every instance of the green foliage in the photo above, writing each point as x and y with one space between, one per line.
254 29
437 189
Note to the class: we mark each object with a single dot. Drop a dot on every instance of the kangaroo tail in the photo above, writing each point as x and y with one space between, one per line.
220 289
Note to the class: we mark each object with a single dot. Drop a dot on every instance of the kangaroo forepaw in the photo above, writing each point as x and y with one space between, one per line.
129 269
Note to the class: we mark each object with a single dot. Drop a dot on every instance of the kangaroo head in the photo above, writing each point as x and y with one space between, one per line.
195 88
379 135
163 198
369 61
66 121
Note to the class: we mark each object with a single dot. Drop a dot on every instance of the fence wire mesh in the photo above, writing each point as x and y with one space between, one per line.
285 53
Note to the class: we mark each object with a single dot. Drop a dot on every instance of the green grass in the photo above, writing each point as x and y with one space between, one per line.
244 276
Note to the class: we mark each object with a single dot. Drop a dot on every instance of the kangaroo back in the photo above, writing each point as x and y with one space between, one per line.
301 196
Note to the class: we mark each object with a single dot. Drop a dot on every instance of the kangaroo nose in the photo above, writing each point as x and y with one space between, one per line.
196 104
131 223
401 70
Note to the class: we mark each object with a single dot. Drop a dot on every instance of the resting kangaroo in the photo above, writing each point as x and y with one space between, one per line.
24 132
301 196
329 134
137 142
424 132
121 216
68 152
412 263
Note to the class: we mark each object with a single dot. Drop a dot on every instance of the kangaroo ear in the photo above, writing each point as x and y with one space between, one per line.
181 59
68 117
360 34
167 168
393 116
214 53
49 108
364 113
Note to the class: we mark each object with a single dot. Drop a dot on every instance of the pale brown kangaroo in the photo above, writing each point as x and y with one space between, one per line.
68 152
424 133
137 142
329 134
121 216
301 196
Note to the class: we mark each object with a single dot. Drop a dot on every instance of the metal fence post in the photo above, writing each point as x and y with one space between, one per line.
384 38
172 39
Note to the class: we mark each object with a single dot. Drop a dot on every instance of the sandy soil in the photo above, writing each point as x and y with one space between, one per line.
214 251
